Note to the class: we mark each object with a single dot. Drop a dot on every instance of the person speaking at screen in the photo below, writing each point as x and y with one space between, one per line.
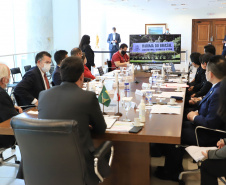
120 58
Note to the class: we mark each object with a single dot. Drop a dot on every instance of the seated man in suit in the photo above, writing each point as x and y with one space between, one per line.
58 57
34 81
69 101
7 109
206 115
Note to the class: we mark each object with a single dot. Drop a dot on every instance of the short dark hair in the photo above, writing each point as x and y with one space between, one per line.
122 46
210 49
71 69
40 55
59 56
114 28
195 58
205 58
75 51
217 65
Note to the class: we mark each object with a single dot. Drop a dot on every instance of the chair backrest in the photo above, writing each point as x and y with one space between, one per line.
27 68
50 151
101 72
15 71
109 65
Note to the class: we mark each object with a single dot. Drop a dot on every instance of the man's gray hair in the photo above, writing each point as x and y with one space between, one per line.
3 71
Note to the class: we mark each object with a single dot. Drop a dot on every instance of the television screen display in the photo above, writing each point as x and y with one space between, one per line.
155 48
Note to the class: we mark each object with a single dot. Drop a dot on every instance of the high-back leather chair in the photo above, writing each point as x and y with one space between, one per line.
51 151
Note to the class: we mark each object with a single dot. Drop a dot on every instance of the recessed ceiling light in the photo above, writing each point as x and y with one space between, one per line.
173 4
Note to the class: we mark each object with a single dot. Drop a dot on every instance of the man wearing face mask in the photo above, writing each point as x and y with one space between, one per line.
34 81
120 58
7 109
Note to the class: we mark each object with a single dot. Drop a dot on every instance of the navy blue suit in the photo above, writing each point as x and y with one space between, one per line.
224 47
113 48
29 87
207 117
56 76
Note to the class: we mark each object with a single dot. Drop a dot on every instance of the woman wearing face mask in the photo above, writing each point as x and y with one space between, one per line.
85 47
87 72
120 58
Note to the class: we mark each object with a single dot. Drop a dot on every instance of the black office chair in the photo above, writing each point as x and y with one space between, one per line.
27 68
214 135
52 154
101 72
109 66
14 71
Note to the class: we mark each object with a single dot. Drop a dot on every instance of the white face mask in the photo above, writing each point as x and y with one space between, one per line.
46 67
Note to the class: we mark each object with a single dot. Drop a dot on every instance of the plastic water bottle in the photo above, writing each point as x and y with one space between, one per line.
126 85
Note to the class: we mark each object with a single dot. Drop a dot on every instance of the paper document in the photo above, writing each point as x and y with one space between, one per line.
177 80
196 152
121 126
127 98
33 112
169 94
109 121
174 85
165 109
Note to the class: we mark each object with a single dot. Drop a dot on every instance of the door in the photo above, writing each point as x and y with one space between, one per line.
208 31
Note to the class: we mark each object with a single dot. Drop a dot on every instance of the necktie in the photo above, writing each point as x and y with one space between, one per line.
46 80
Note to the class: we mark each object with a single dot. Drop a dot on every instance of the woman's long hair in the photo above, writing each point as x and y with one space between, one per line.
84 42
222 100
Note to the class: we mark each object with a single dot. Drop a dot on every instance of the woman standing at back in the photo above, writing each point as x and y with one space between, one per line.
85 47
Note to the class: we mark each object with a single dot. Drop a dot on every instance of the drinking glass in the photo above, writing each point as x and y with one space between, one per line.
127 106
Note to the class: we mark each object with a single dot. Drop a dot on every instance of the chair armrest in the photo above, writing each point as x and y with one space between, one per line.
103 149
103 159
214 135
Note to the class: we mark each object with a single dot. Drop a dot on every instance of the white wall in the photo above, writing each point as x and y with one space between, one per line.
66 24
100 18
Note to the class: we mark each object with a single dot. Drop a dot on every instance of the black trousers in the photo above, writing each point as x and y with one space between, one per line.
211 169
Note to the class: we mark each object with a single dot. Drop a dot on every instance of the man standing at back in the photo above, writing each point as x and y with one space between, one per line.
69 101
34 81
113 40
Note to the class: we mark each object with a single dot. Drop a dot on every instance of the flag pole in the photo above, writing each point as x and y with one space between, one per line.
104 113
118 113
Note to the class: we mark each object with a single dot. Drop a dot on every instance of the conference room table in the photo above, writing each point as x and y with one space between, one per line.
132 161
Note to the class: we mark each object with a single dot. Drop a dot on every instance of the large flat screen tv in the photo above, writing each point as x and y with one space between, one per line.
155 48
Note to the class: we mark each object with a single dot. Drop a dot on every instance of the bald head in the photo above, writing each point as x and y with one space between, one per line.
4 75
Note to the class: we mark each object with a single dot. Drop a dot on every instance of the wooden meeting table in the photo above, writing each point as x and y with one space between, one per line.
131 162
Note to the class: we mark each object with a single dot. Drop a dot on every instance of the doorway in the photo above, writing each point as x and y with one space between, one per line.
208 31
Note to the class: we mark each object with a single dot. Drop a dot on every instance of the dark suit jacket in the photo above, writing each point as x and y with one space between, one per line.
68 101
224 40
200 78
7 111
89 56
204 90
56 76
208 110
29 87
110 38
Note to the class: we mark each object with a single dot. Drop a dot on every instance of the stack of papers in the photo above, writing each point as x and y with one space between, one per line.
196 152
32 112
121 126
109 121
174 85
177 80
165 109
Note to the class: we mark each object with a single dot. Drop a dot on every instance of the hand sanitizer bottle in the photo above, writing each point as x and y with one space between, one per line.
142 111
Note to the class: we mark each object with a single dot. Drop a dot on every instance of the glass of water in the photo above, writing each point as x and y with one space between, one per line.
127 106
